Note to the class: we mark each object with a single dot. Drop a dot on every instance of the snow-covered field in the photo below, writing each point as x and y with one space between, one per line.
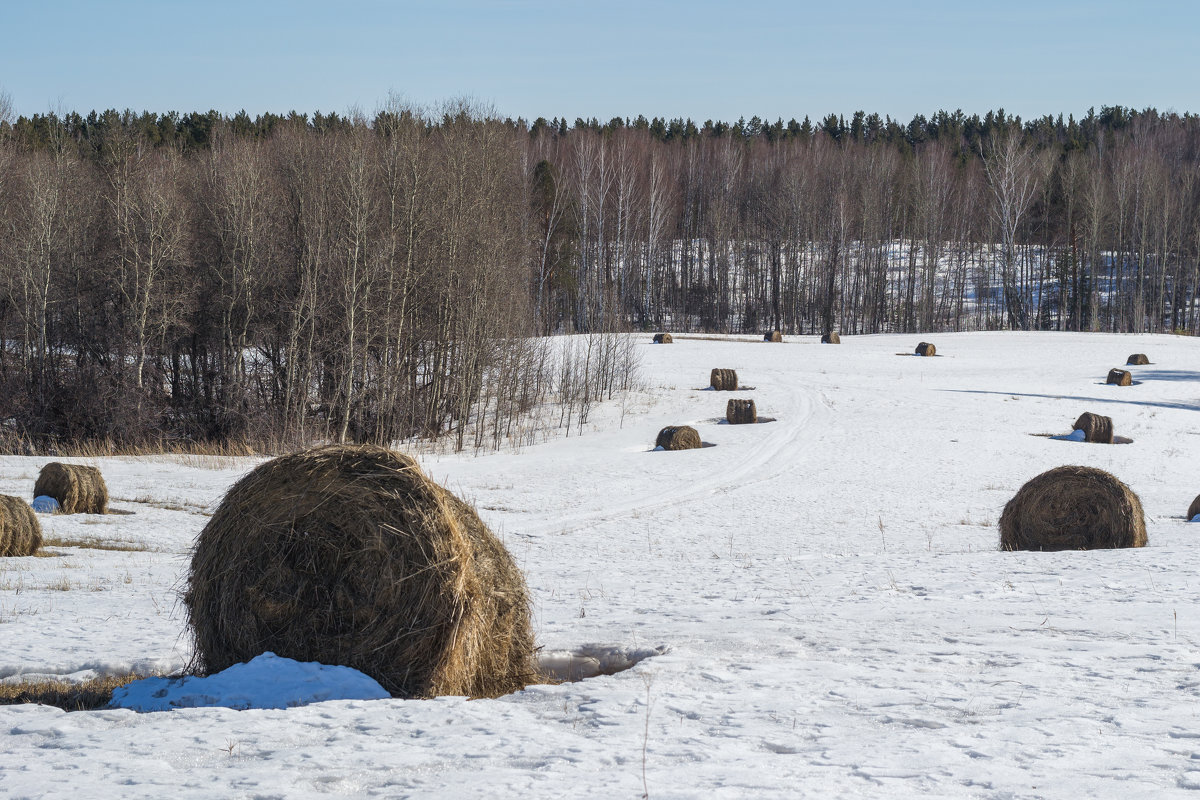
833 615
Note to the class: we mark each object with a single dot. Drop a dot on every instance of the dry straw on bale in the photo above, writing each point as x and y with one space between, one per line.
350 555
1119 377
663 338
678 437
1194 508
1095 428
20 532
831 338
1073 508
773 336
78 489
926 349
1137 359
723 380
740 412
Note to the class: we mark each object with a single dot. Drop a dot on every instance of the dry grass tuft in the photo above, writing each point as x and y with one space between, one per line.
86 696
20 531
96 544
1073 508
350 555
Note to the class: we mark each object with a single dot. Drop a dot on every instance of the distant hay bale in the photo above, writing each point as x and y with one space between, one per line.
1119 377
1073 508
663 338
926 349
678 437
773 336
349 555
723 380
78 489
1138 360
1194 508
20 531
1095 428
831 338
740 412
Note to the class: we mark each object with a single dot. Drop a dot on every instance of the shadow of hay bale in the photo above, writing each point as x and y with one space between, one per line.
351 556
77 488
1073 508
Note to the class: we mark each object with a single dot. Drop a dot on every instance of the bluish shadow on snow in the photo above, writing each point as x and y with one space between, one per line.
1193 406
590 660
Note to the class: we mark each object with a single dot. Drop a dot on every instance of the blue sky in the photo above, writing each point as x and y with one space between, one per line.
704 60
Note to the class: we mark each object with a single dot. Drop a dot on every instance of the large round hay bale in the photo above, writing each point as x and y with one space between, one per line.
740 412
1119 377
1194 508
831 338
1073 508
926 349
78 489
20 531
678 437
1138 360
663 338
773 336
349 555
723 380
1095 427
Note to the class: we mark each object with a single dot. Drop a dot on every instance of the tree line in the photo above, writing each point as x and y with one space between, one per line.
289 278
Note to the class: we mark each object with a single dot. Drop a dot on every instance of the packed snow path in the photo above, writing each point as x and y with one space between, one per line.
836 618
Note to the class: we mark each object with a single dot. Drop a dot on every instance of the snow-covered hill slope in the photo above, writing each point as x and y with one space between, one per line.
834 616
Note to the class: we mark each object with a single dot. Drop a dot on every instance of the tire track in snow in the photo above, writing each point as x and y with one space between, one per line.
801 408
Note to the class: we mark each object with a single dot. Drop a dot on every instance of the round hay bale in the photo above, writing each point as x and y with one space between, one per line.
831 338
723 380
1119 377
1138 360
740 412
78 489
663 338
1194 508
926 349
678 437
773 336
20 531
349 555
1073 508
1095 428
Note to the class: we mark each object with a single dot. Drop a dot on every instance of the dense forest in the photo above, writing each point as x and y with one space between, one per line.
283 279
